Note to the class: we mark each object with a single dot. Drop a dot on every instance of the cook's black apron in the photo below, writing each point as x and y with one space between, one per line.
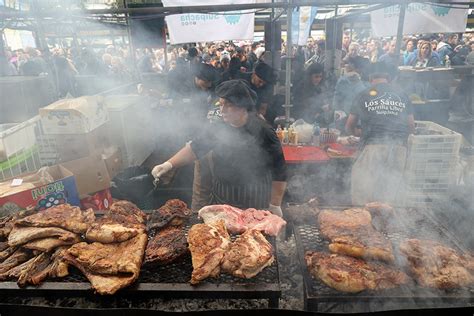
252 195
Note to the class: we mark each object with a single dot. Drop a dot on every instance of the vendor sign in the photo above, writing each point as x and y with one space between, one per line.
48 187
207 27
421 18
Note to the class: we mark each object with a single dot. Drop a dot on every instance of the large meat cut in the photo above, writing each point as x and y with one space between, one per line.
166 246
435 265
109 267
63 216
238 221
248 255
172 213
122 222
348 274
208 244
22 235
49 244
351 233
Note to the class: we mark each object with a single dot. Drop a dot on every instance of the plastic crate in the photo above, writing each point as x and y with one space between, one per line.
434 165
22 162
448 142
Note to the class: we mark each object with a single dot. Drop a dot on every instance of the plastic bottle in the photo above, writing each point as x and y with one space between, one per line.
279 133
447 62
285 136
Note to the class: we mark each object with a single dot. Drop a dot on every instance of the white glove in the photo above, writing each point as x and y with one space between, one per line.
160 170
276 210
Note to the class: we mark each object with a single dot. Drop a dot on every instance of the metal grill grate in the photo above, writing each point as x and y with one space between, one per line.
410 224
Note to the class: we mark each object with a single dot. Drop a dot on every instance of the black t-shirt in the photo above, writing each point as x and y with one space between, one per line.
242 155
383 111
264 94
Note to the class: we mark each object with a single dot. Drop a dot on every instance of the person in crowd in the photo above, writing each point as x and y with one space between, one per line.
410 46
392 57
107 60
424 57
241 55
261 80
252 56
234 70
386 116
225 61
310 49
248 167
434 45
35 64
310 95
64 73
90 64
346 42
6 67
350 84
446 48
470 56
374 50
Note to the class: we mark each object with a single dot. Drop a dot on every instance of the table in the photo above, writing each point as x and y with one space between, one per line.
316 154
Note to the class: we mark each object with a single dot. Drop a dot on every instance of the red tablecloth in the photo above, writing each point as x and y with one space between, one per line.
314 154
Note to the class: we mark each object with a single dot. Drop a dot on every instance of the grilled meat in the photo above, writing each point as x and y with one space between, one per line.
166 246
208 244
248 255
129 210
347 274
112 230
49 244
7 253
351 233
435 265
22 235
336 223
238 221
382 215
14 273
3 246
17 258
63 216
124 257
6 222
109 267
173 213
36 271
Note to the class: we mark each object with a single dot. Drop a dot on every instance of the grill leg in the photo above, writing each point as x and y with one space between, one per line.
274 302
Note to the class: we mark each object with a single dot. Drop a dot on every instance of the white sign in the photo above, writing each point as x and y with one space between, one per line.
420 18
207 27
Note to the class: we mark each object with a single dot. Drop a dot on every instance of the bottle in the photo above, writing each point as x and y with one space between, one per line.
316 132
285 136
279 133
291 135
295 137
447 62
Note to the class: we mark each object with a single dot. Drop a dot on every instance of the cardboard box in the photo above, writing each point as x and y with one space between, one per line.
113 160
99 201
62 148
74 116
62 190
90 172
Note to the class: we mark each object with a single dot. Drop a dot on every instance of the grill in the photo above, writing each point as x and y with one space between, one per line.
172 281
410 224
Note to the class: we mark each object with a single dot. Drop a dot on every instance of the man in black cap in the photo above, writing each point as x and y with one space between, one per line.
386 116
248 167
261 80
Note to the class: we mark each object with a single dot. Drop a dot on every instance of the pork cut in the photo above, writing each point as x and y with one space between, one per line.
49 244
168 245
173 213
129 210
17 258
434 265
63 216
22 235
338 223
7 222
109 267
208 244
352 275
238 221
248 255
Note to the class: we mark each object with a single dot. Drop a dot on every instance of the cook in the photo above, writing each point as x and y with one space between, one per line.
386 116
248 168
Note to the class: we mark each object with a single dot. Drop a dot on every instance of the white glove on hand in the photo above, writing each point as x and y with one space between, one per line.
276 210
160 170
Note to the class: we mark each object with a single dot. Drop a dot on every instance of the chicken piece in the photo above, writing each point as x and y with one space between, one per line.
166 246
248 255
120 263
22 235
49 244
208 244
338 223
434 265
63 216
129 210
173 213
347 274
123 257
